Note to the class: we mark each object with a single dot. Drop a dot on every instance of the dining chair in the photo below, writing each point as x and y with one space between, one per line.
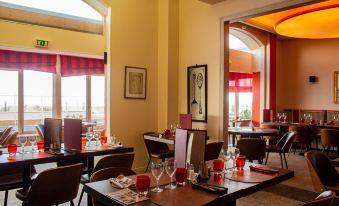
11 138
324 199
5 134
118 160
53 186
330 138
212 150
157 150
252 148
272 140
283 146
302 137
324 175
12 179
107 173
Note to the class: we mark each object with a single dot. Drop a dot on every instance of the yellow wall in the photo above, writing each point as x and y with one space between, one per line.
242 62
134 34
299 59
24 35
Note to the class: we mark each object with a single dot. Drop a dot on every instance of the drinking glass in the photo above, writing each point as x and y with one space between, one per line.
218 166
142 184
226 154
97 138
170 167
22 142
157 170
234 155
41 145
103 140
89 138
32 140
240 162
12 149
180 176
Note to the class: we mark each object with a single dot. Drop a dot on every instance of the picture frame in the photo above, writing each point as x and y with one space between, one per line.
336 87
135 82
197 92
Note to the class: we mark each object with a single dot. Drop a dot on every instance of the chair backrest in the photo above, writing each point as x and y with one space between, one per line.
330 137
55 186
5 134
40 130
154 147
11 138
302 134
212 150
321 170
116 160
252 148
196 147
324 199
107 173
285 142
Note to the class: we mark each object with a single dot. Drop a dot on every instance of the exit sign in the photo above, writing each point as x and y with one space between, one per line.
41 43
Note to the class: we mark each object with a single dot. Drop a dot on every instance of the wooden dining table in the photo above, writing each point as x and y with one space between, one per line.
27 160
250 132
187 195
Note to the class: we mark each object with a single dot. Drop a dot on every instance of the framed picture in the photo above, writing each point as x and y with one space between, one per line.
336 87
135 82
197 92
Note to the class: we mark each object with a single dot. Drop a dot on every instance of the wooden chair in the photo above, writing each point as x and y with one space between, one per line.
252 148
119 160
324 199
53 186
11 138
324 175
5 134
283 146
330 138
157 150
212 150
107 173
302 136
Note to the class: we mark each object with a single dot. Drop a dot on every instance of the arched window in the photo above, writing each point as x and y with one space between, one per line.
65 8
237 44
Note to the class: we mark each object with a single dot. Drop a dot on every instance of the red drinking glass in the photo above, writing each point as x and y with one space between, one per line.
12 148
218 166
41 145
240 162
103 140
83 142
142 184
180 176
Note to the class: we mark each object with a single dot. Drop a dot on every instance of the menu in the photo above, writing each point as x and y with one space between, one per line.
126 196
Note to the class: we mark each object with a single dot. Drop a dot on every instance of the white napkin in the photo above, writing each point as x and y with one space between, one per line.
121 182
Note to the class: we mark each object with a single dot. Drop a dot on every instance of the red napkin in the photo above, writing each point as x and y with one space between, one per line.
263 169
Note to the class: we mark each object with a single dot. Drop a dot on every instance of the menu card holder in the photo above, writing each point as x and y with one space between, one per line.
196 147
186 121
52 133
72 134
180 151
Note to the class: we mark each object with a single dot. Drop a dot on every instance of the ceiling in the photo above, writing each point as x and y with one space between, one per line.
314 21
212 1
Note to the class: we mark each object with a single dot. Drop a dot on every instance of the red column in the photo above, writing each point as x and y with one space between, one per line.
256 99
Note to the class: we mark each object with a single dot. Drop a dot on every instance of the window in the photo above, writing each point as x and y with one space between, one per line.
38 98
8 98
236 44
231 106
73 97
98 99
245 105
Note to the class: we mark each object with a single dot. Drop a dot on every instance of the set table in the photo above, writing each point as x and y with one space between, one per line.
250 132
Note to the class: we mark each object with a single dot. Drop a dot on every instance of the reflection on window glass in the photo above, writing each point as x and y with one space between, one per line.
38 98
98 99
245 105
73 97
231 106
8 99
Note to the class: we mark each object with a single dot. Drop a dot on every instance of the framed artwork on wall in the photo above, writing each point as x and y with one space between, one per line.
197 92
135 82
336 87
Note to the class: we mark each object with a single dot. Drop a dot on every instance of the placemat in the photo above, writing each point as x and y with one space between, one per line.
249 176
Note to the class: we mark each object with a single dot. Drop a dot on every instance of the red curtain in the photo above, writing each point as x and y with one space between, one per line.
240 82
75 66
15 60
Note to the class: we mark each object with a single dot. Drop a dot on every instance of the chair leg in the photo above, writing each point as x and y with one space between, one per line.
6 198
285 160
282 165
267 158
149 161
72 203
82 194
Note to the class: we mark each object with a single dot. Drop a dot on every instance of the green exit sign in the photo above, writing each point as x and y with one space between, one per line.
41 43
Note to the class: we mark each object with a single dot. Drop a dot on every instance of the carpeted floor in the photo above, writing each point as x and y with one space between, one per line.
291 192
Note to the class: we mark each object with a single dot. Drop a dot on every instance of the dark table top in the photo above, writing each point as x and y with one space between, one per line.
256 131
187 195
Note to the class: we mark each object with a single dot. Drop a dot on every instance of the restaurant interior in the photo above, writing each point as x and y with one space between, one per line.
169 102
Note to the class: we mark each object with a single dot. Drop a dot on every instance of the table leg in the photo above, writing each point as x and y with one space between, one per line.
90 166
26 176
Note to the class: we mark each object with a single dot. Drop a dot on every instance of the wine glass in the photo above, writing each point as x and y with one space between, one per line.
22 142
32 140
278 116
97 138
285 117
226 155
234 155
170 167
89 138
157 170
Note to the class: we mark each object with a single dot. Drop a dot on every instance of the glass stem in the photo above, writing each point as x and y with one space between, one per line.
158 183
171 182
